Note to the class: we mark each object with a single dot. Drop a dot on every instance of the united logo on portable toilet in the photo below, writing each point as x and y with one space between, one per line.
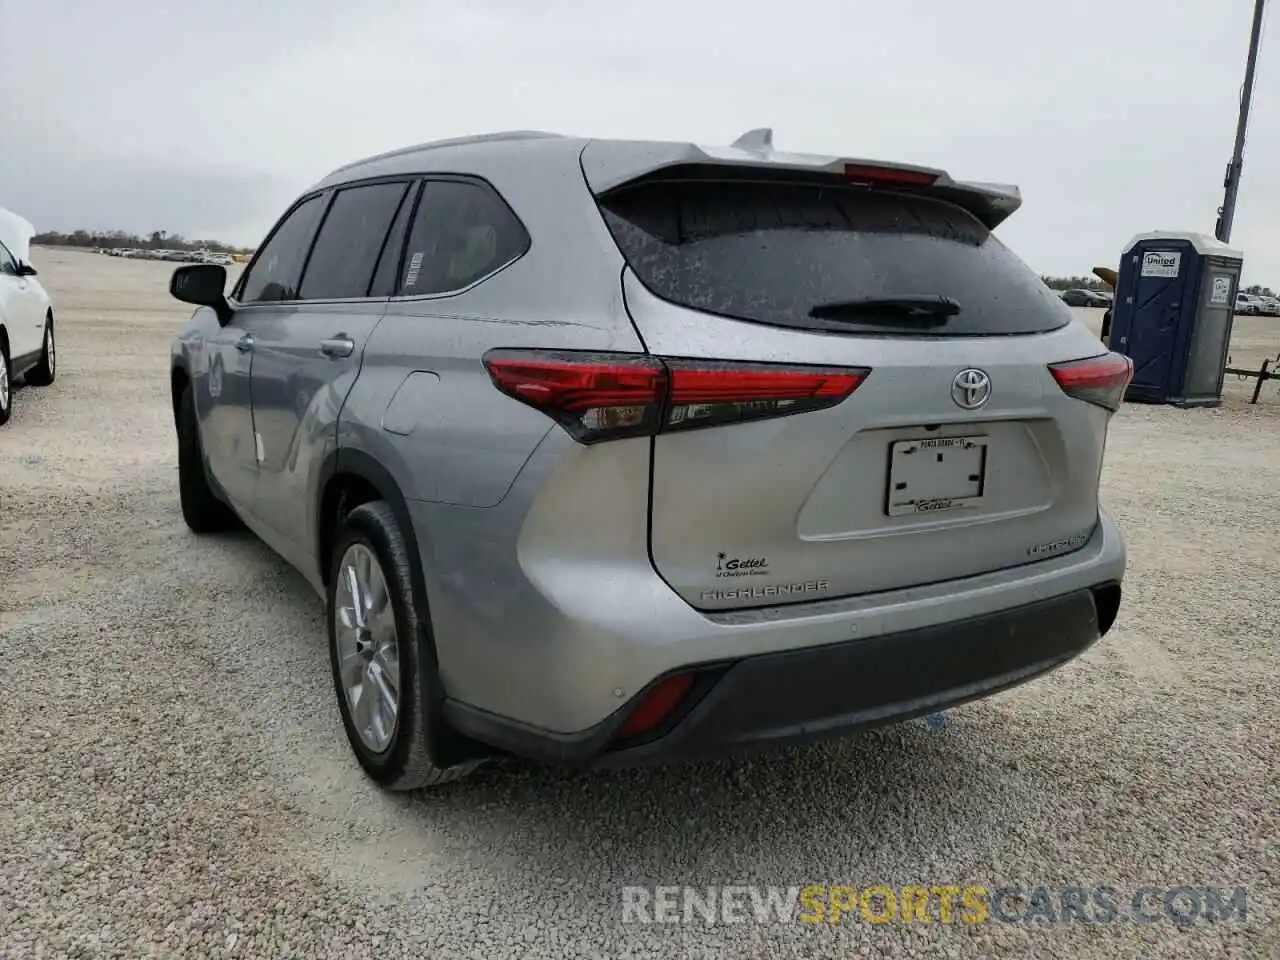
1161 263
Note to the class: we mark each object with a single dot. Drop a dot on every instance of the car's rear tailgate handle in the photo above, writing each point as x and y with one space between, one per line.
338 346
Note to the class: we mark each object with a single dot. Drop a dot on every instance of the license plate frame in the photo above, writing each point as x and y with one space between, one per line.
916 487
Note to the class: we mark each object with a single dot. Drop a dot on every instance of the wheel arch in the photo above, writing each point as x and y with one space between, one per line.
348 478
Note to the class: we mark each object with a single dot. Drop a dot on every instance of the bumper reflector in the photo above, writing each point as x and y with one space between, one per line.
657 705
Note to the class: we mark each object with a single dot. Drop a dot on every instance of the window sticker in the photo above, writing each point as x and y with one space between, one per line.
415 266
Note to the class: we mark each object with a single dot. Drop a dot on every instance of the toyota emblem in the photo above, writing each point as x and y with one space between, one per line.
971 389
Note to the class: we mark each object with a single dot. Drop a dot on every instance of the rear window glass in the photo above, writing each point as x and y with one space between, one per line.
461 234
770 252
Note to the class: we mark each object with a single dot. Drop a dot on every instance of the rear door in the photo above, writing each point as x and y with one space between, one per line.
306 357
957 455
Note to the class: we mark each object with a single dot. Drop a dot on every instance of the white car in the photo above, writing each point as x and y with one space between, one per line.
1253 304
26 315
1267 306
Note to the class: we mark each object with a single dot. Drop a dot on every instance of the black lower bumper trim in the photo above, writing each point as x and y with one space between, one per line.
802 695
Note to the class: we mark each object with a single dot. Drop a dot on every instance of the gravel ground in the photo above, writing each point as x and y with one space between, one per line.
174 779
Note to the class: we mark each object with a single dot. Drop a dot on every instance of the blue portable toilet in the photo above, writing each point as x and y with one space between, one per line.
1172 314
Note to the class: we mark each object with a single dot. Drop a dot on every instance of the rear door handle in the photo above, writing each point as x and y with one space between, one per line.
339 346
245 343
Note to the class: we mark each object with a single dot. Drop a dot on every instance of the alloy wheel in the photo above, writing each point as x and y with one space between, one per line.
367 647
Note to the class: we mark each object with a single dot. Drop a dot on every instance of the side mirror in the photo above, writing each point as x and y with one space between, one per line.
26 270
202 284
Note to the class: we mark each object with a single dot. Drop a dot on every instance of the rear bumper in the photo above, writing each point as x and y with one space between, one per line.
808 694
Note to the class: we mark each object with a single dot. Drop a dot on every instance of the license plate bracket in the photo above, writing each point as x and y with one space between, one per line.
936 475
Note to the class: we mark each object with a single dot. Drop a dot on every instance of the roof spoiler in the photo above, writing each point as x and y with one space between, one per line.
611 164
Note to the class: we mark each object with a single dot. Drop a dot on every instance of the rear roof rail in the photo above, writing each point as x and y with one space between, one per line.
611 164
452 142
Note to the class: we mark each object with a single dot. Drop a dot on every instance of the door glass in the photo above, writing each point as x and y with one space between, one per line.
461 234
274 274
352 235
8 266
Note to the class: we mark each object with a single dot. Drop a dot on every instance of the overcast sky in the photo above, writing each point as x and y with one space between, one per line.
1113 116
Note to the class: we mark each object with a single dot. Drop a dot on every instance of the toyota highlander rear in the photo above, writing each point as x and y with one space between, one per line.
874 441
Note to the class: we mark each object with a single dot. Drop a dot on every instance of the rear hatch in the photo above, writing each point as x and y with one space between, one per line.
957 450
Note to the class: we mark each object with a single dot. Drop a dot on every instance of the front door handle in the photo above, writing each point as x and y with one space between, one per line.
339 346
245 343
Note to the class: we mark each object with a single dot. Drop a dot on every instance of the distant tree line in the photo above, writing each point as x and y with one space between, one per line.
157 240
1074 283
1261 290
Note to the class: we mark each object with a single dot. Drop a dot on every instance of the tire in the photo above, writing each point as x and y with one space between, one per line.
43 373
201 508
6 384
396 754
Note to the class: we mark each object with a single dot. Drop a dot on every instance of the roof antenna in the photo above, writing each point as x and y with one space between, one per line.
760 140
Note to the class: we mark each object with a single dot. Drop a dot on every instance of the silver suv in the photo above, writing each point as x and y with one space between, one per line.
609 452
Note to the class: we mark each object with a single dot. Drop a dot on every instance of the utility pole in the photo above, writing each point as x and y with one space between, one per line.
1227 212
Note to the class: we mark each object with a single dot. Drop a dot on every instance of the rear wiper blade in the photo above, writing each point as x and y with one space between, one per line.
924 310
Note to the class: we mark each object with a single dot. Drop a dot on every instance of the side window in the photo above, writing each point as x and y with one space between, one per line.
274 274
352 235
8 265
384 278
462 233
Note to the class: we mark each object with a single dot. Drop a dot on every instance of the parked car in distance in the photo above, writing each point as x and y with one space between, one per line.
1255 304
27 348
1084 298
1267 306
576 488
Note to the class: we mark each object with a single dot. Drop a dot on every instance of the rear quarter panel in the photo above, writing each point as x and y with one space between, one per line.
424 405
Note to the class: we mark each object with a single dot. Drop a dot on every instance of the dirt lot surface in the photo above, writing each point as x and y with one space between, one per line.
174 778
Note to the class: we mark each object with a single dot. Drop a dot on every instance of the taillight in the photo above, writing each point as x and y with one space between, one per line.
593 396
608 396
1100 380
705 394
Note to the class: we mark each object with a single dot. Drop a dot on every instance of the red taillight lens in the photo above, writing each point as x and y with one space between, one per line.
703 395
657 705
888 176
1099 380
593 396
608 396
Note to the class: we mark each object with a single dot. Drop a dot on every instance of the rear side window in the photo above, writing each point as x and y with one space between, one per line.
276 269
770 252
461 234
351 238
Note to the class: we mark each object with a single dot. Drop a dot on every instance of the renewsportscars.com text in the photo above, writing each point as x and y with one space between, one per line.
1181 905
